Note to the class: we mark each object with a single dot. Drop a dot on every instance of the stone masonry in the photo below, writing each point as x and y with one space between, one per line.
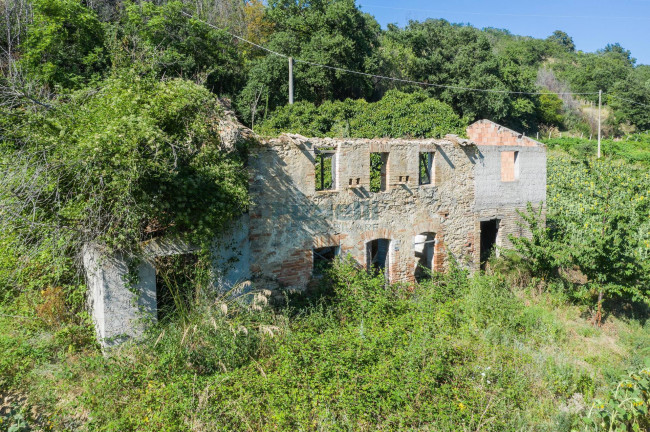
473 191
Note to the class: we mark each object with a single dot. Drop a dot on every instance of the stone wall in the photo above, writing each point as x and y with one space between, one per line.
499 199
289 218
485 179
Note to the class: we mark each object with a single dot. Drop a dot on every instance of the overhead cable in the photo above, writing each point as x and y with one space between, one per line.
340 69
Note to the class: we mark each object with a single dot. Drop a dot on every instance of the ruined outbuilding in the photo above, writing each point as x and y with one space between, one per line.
399 206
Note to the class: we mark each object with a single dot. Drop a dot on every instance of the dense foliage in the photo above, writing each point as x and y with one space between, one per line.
455 351
397 114
109 133
600 212
70 44
134 159
65 44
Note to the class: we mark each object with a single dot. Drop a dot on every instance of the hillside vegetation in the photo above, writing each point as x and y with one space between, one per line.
52 46
110 132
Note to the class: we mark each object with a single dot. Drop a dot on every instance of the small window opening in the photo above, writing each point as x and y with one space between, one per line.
426 168
489 235
509 166
325 169
377 255
378 172
176 285
324 259
424 249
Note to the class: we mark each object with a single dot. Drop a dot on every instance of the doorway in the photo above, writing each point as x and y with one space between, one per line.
489 235
377 256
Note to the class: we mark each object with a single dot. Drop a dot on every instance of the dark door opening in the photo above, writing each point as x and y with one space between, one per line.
324 259
489 233
176 284
424 252
377 252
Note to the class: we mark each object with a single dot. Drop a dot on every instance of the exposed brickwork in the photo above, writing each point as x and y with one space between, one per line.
289 218
507 166
487 133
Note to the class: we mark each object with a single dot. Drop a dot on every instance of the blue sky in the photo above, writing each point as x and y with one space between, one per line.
591 23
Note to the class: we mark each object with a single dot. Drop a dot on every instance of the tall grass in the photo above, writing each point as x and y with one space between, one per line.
456 352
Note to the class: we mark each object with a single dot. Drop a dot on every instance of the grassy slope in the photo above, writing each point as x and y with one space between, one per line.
457 352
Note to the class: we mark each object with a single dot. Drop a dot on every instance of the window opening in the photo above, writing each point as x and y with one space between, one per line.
325 169
509 166
324 259
489 235
424 253
516 157
378 172
176 283
426 168
377 255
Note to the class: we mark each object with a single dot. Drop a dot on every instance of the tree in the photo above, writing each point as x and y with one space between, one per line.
65 44
550 109
397 114
455 55
164 40
591 72
563 40
330 32
600 214
630 100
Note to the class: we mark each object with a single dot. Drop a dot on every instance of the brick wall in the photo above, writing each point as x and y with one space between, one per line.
289 218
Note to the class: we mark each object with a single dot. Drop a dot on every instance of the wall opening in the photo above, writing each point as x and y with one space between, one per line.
516 157
509 166
177 282
378 256
489 234
324 259
325 169
378 172
426 168
424 247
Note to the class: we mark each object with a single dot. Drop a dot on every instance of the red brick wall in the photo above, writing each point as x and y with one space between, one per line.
485 132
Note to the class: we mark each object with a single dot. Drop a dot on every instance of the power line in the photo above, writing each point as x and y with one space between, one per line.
340 69
235 36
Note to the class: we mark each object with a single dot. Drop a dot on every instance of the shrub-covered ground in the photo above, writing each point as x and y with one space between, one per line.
484 352
516 348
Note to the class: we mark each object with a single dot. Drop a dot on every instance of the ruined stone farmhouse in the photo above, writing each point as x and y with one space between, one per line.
398 206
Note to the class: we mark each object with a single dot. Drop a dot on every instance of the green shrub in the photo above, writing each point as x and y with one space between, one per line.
397 114
625 408
65 44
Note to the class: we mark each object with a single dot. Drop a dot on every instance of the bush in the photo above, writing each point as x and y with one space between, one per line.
396 115
65 44
134 159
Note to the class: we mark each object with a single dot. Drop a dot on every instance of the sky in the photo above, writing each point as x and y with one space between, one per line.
591 23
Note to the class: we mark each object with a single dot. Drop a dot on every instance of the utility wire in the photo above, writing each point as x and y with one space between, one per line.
340 69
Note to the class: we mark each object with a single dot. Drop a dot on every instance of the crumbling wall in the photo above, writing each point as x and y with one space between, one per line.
499 196
289 217
121 294
491 177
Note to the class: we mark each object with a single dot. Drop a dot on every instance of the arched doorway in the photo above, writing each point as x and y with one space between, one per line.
378 256
424 249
